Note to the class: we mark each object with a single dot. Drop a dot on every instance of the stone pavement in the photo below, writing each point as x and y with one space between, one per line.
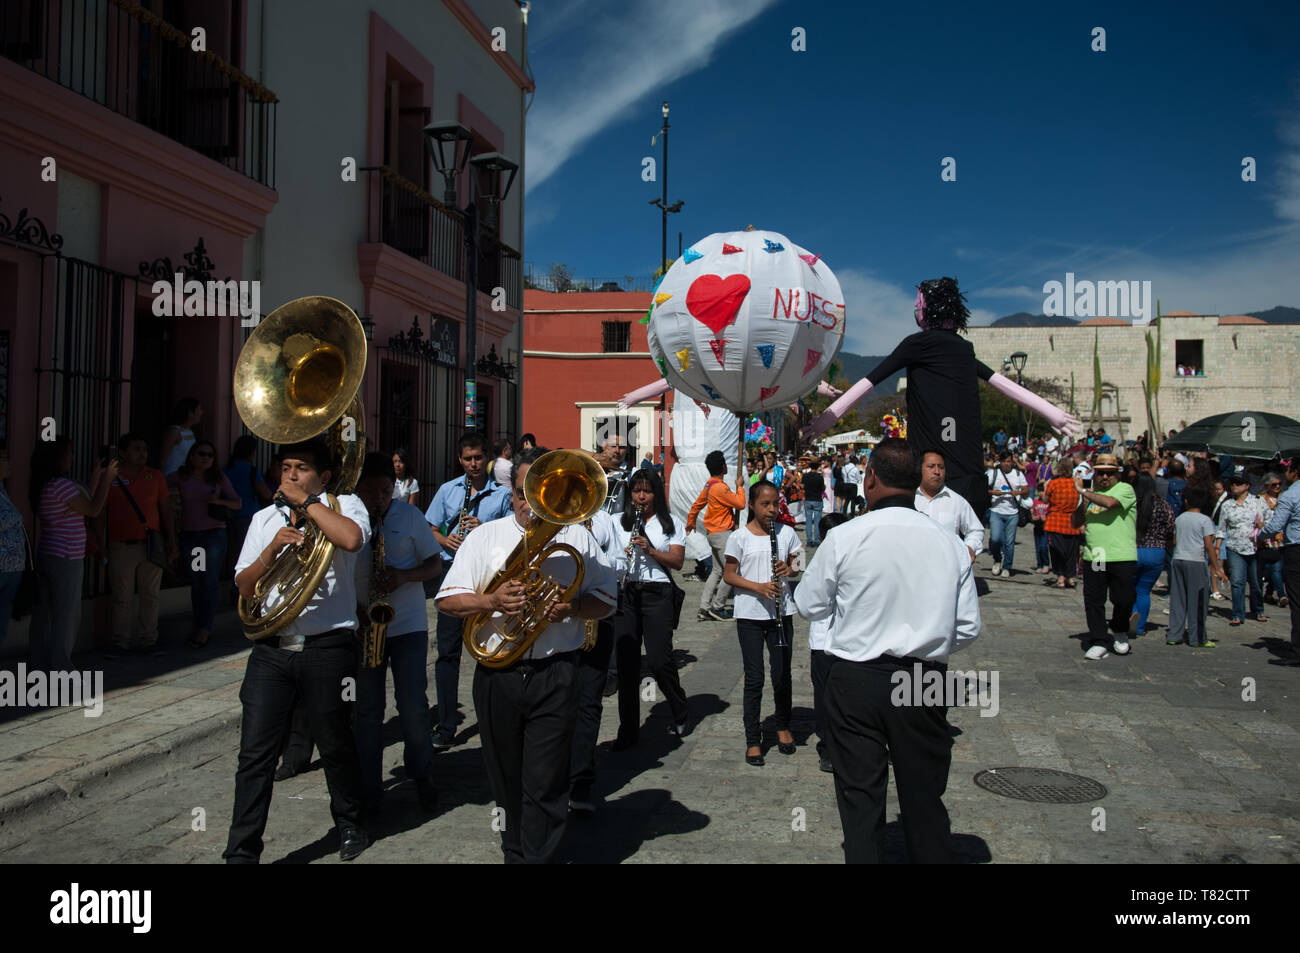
1195 773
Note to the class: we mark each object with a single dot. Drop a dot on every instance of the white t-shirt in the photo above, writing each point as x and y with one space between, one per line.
404 489
334 604
754 554
408 542
1006 505
640 566
486 550
501 471
1051 445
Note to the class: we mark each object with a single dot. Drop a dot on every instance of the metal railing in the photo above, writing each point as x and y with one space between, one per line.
561 282
404 216
131 61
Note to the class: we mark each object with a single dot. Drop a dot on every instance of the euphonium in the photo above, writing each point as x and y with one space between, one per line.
379 612
297 377
563 487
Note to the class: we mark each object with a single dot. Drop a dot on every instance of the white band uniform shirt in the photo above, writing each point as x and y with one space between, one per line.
1006 504
602 529
754 555
951 511
486 550
640 566
895 583
334 604
819 634
488 504
407 544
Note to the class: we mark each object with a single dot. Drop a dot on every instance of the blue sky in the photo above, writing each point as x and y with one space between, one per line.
1115 165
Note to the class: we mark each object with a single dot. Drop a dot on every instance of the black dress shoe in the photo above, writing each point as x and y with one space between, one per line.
611 686
755 759
825 765
287 771
352 841
786 747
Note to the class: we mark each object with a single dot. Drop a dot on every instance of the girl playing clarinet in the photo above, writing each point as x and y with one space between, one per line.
759 561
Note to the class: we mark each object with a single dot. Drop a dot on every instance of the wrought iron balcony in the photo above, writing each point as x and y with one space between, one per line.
404 216
133 62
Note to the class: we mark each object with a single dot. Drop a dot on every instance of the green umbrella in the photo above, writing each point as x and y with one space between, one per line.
1242 433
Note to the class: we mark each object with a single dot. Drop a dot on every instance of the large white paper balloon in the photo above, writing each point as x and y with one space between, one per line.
746 321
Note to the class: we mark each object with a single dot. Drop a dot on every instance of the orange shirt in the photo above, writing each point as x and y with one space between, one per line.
149 490
1063 497
717 502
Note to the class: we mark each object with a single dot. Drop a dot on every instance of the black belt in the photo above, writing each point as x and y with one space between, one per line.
637 585
529 665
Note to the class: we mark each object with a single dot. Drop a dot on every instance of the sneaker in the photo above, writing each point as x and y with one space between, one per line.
997 569
1172 642
442 740
1096 653
714 614
1208 644
1165 610
723 615
1121 647
1006 573
703 616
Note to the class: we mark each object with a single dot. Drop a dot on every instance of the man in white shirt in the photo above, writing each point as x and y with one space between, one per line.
308 661
527 710
891 620
1052 444
410 557
945 507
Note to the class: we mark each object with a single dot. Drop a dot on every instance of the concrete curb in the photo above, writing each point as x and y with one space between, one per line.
71 794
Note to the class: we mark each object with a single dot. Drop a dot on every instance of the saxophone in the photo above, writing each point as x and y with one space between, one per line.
379 612
772 530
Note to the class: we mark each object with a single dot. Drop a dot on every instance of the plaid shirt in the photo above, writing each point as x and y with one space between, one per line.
1063 497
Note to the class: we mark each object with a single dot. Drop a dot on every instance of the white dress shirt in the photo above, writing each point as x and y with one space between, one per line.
486 550
334 604
641 566
754 554
951 511
895 583
408 542
602 528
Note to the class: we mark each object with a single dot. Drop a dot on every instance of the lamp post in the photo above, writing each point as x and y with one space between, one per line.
662 202
1018 362
449 144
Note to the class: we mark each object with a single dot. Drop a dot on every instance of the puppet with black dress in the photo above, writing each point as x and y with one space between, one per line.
943 406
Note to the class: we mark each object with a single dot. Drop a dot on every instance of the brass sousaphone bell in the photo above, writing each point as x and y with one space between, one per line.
297 377
563 487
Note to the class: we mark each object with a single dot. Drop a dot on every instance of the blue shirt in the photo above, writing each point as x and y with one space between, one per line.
1286 518
242 475
492 502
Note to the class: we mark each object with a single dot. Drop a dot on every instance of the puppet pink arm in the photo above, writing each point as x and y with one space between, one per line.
648 392
1061 421
826 390
842 405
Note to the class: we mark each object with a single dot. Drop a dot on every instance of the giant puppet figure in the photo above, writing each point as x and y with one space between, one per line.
943 407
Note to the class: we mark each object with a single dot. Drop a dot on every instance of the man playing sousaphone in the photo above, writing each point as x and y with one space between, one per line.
308 661
527 709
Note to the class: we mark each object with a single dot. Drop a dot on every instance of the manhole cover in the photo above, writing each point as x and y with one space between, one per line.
1041 784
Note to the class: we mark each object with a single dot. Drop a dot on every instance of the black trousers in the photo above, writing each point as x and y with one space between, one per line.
1119 580
274 682
526 714
1291 576
820 664
297 743
593 668
753 636
1063 549
866 732
647 616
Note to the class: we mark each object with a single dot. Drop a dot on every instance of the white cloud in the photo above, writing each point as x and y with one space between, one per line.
619 61
878 314
1287 201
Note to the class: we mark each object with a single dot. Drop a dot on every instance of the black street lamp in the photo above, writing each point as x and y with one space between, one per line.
449 144
1018 362
662 203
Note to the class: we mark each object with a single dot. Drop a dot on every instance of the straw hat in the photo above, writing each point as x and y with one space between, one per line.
1106 462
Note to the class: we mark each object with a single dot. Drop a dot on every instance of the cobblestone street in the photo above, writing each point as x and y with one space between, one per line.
1195 774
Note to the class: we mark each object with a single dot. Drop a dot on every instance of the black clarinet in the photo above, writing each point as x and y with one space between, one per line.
773 529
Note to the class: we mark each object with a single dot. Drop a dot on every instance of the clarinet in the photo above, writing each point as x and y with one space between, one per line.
464 509
638 529
772 531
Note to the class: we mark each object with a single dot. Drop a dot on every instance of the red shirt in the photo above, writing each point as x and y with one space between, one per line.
1063 497
149 490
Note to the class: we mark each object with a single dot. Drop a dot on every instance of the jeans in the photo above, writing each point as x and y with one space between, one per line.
1244 570
812 517
753 636
716 591
56 617
1151 563
1002 537
1270 573
446 670
1042 555
1117 580
9 589
275 680
205 583
408 654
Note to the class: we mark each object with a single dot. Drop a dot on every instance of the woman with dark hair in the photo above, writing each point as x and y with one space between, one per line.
203 489
251 486
62 504
527 442
406 488
654 545
13 546
179 435
1155 538
1062 537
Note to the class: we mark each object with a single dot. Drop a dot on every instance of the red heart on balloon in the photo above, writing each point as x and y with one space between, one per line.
714 301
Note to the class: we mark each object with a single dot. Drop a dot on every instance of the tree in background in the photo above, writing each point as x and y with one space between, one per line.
560 277
998 410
